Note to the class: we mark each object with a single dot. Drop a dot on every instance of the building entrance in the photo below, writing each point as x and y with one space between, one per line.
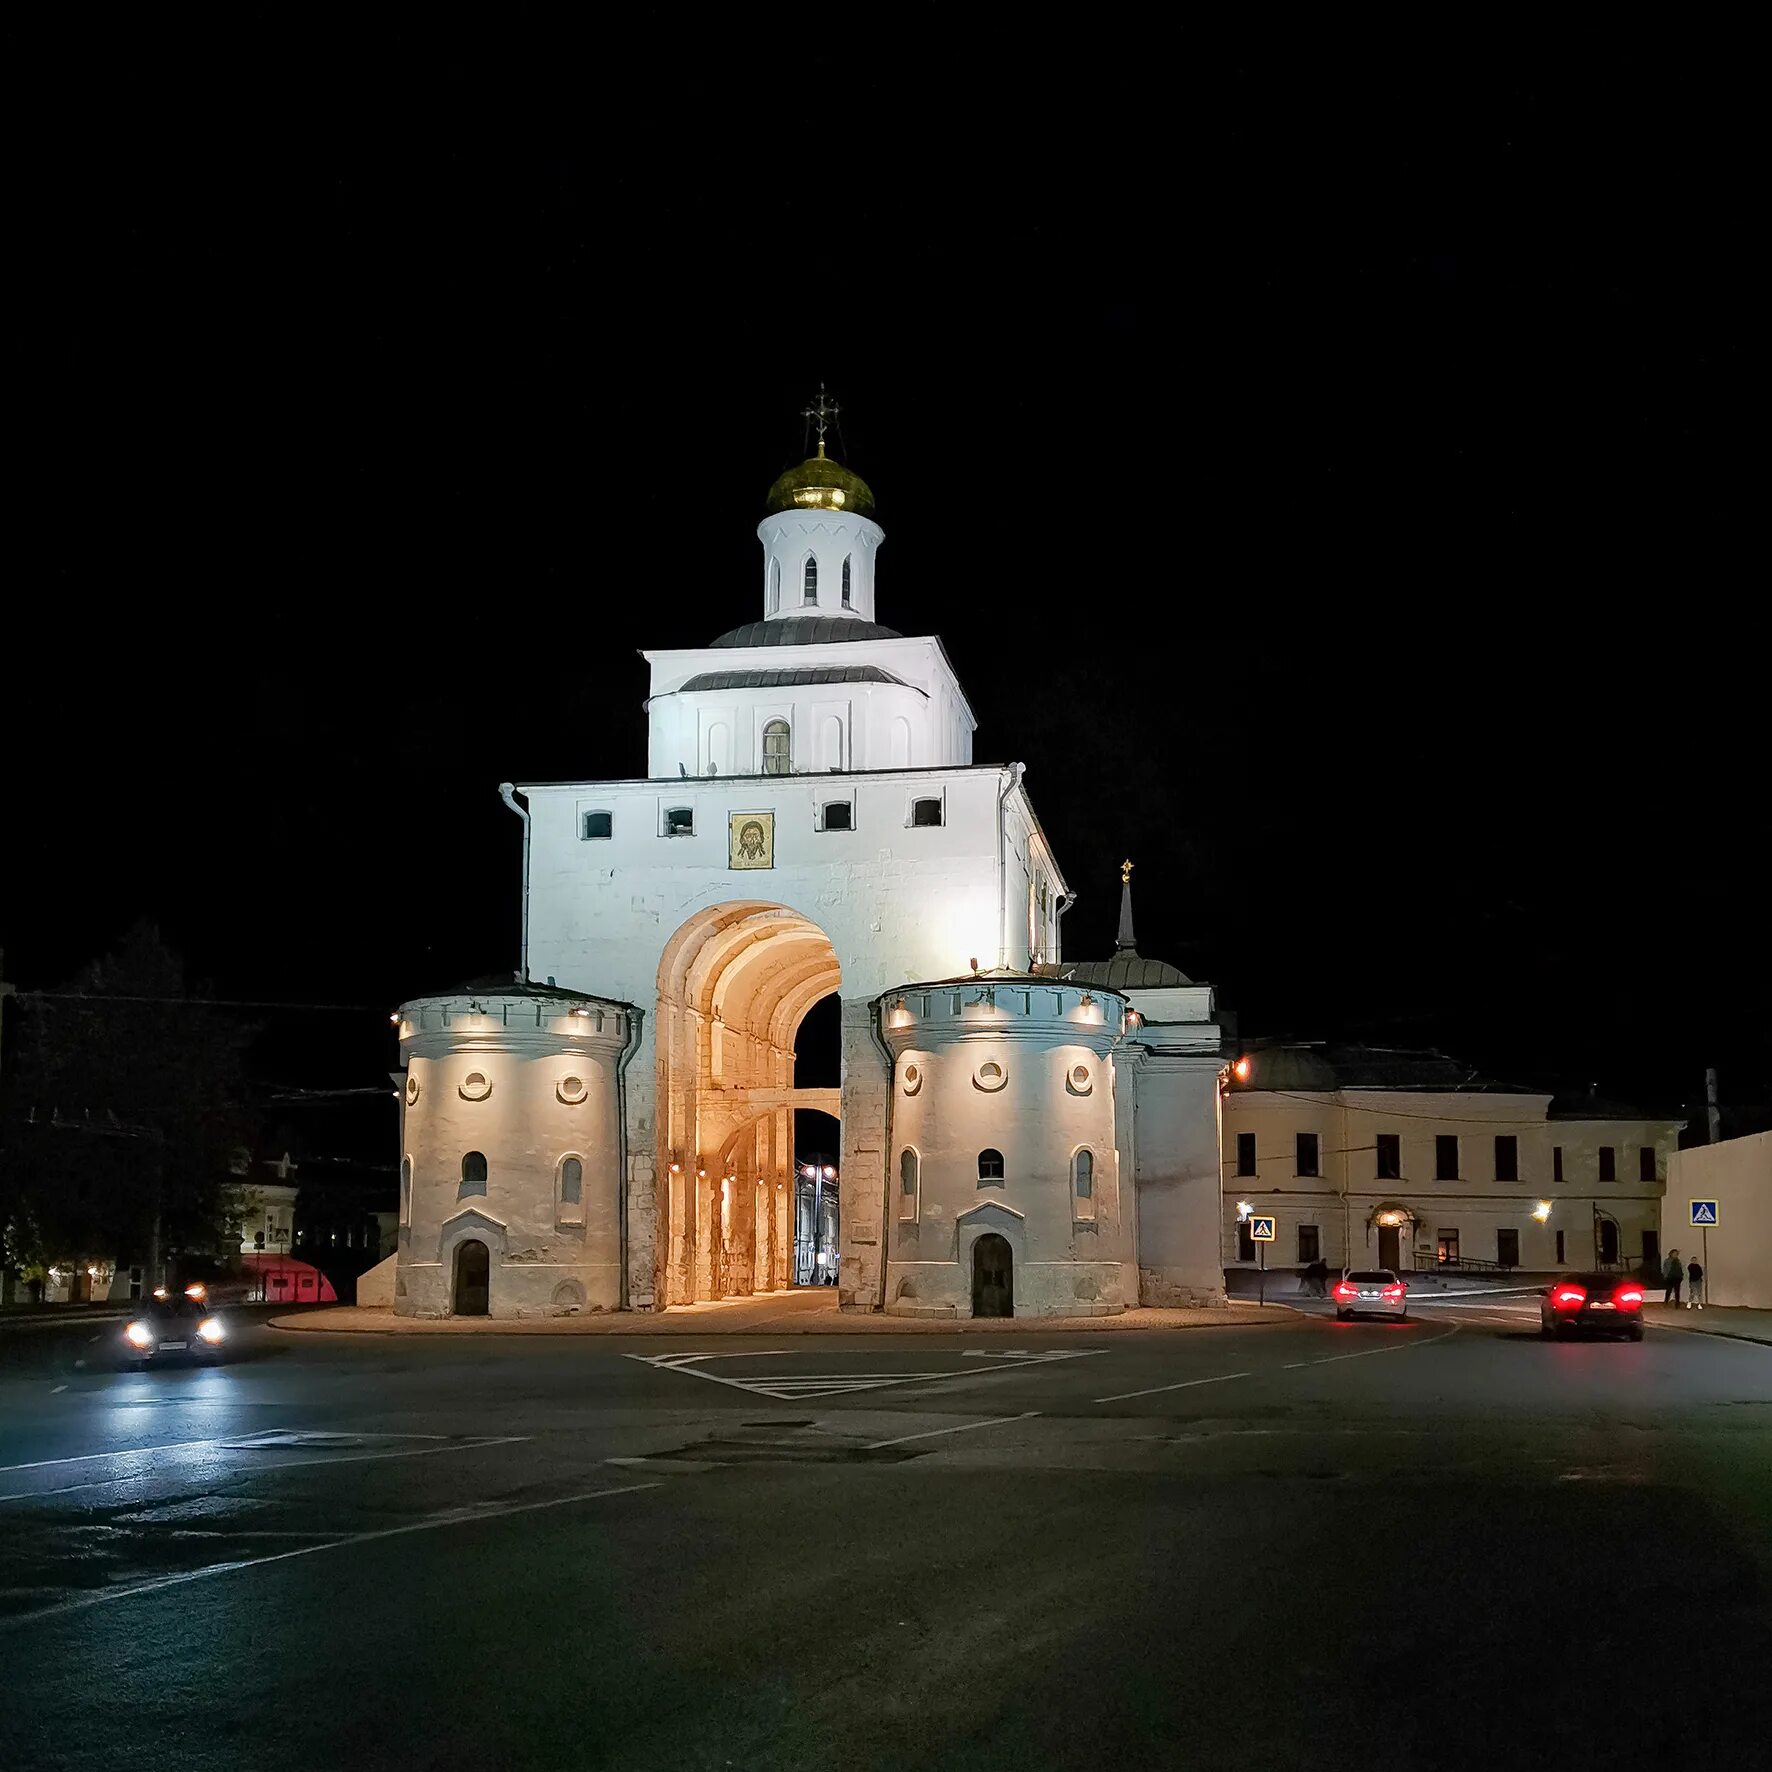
734 984
1390 1247
473 1278
993 1277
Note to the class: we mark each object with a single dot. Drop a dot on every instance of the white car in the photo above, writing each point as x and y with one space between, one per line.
1371 1291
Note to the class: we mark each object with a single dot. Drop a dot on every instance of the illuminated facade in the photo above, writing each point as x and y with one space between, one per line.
812 822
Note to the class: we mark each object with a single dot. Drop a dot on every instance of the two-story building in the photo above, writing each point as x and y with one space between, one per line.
1412 1160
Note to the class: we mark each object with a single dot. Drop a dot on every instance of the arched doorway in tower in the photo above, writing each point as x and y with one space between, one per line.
735 984
473 1278
993 1277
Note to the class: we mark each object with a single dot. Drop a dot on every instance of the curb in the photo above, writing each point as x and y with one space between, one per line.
890 1326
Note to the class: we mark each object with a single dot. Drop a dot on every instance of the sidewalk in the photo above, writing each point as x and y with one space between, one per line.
809 1312
1714 1319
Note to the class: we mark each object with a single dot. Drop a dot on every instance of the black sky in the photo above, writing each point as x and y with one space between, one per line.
1329 464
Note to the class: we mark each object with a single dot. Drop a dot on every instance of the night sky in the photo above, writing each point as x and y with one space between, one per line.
1329 472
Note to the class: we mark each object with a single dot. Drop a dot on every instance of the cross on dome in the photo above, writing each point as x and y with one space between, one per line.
819 415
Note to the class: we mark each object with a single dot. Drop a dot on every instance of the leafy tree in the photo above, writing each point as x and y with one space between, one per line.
123 1105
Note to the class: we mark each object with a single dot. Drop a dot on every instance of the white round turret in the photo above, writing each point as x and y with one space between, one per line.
511 1141
819 540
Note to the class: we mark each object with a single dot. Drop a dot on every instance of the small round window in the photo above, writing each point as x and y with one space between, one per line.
913 1079
990 1075
411 1089
1079 1081
571 1089
475 1087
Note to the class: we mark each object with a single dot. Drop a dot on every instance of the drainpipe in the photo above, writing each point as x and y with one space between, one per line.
886 1218
1015 773
629 1047
508 793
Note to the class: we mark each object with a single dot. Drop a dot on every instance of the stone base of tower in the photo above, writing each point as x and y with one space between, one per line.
1179 1288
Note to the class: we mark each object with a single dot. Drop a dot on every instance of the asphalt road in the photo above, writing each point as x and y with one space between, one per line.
1443 1543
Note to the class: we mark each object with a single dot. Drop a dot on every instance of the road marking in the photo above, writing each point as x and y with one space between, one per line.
90 1457
964 1427
56 1390
1185 1384
797 1387
1366 1353
432 1523
289 1464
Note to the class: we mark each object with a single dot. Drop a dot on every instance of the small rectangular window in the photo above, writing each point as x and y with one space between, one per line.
1608 1163
1646 1162
1245 1241
925 812
1245 1153
837 814
1446 1156
1507 1248
1507 1157
1309 1245
1307 1153
680 822
1390 1156
1560 1256
597 824
1556 1162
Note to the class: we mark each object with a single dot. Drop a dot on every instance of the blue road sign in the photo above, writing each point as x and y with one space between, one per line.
1261 1230
1705 1212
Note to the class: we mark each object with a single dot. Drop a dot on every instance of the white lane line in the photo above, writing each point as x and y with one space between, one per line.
433 1523
1366 1353
1185 1384
92 1457
56 1390
265 1470
964 1427
234 1442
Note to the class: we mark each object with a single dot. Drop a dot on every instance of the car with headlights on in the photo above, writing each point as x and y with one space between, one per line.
173 1328
1592 1304
1370 1291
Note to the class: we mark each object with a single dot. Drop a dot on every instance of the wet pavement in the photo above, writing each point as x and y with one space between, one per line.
1445 1538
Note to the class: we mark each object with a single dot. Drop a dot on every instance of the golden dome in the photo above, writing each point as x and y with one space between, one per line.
820 484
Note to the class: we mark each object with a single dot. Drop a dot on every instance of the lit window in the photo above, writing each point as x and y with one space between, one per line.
473 1174
680 822
837 816
845 581
925 812
597 824
572 1180
776 740
809 581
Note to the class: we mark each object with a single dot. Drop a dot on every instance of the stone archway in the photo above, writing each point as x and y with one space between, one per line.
734 984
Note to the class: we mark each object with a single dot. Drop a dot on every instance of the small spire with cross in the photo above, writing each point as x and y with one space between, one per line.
819 415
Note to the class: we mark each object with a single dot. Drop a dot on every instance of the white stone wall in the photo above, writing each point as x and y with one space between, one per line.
549 1255
1050 1095
1737 1255
1173 1133
789 538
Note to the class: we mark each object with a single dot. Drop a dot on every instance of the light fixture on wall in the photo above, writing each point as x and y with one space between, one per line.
1240 1070
1542 1211
1243 1210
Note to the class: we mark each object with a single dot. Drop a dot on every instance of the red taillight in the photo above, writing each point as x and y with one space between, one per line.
1628 1298
1394 1291
1344 1290
1569 1298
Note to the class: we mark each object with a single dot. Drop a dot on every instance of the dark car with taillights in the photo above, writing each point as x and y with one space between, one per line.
1592 1304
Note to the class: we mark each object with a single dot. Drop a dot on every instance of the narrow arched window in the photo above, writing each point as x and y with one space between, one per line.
572 1181
473 1174
809 581
775 748
774 586
990 1168
907 1172
1084 1169
845 581
406 1190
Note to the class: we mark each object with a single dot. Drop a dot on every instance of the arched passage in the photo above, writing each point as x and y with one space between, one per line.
734 984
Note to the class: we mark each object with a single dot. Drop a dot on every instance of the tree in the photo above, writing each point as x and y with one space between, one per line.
123 1105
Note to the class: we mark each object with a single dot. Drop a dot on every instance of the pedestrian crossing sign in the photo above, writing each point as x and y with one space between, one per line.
1261 1230
1705 1212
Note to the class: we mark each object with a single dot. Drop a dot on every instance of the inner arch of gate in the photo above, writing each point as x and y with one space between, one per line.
734 983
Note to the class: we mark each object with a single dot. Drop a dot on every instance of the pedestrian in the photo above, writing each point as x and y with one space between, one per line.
1671 1275
1695 1285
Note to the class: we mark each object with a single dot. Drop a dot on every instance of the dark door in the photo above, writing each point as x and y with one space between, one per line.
1390 1247
1652 1252
1608 1242
473 1279
993 1280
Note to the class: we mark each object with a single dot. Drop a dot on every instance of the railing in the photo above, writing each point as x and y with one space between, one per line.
1469 1264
